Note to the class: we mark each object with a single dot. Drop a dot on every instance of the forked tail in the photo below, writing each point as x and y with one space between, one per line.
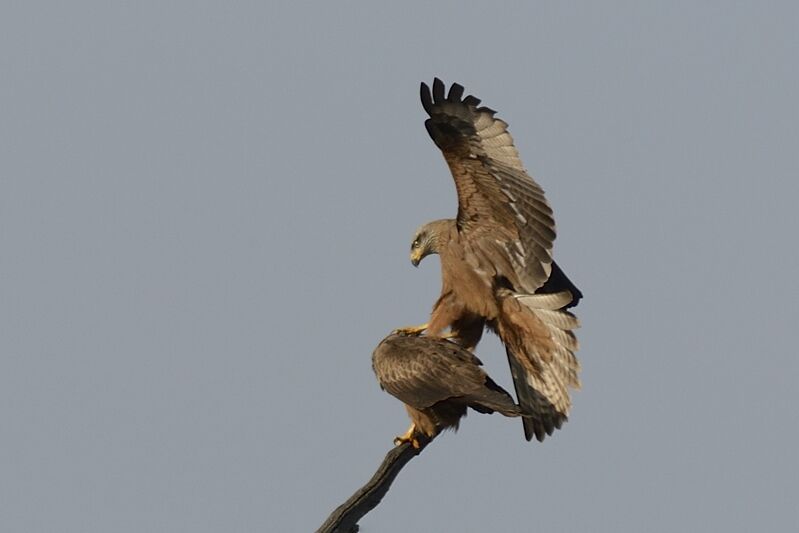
540 345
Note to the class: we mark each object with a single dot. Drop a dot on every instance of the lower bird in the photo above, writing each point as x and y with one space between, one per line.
437 380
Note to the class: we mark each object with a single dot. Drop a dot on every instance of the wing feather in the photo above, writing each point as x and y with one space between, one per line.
497 199
422 371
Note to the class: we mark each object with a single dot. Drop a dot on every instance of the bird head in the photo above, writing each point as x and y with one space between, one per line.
420 247
428 238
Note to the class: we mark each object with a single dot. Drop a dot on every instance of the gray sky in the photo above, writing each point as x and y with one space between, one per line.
205 216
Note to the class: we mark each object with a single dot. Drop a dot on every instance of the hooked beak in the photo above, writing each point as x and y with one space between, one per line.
416 257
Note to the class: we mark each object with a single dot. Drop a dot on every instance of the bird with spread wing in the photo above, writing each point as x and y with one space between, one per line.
496 259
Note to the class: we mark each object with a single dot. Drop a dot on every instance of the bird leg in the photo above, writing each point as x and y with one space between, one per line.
411 330
408 436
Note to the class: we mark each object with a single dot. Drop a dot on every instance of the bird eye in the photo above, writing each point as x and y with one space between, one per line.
416 243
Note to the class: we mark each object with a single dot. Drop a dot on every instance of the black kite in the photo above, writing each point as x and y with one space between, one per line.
496 259
437 380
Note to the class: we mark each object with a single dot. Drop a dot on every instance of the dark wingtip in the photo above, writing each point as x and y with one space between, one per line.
557 282
455 93
540 429
427 99
472 101
543 429
528 430
431 128
438 91
438 95
529 425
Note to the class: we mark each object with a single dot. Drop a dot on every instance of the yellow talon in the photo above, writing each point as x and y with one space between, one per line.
408 436
411 330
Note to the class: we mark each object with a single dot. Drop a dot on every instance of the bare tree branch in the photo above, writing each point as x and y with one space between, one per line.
346 516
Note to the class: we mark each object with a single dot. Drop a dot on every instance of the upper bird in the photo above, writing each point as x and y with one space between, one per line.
496 258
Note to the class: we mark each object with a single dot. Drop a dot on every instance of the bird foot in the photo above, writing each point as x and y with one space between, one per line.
408 436
411 331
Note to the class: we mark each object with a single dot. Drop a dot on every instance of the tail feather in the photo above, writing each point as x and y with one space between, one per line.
540 348
493 398
551 301
540 416
558 319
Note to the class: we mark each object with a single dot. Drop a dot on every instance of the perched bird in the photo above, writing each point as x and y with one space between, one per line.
437 380
496 259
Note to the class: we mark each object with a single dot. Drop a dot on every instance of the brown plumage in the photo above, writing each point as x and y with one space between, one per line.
437 380
496 258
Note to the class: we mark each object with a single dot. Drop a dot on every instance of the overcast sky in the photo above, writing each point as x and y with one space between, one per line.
205 217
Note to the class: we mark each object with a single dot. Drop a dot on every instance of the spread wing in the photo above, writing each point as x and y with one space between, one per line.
422 371
499 204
